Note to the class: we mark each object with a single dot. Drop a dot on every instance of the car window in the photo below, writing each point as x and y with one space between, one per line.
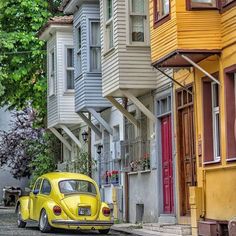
77 186
37 184
46 187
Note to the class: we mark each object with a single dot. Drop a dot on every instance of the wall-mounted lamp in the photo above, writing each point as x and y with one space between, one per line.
99 149
85 135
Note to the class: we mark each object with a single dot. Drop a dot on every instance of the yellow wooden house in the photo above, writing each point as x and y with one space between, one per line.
197 38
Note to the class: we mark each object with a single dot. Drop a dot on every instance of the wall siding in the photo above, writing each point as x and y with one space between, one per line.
228 22
88 86
164 37
127 66
52 101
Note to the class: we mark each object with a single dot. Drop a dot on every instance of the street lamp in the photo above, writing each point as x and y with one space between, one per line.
99 151
85 135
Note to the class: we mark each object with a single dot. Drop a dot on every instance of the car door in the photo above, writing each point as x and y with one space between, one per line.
33 199
42 197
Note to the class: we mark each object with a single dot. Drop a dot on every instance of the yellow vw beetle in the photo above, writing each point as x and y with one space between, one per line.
64 200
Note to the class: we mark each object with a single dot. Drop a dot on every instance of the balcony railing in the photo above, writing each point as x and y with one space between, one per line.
136 155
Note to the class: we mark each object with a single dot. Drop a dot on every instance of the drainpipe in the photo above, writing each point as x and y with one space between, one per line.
203 194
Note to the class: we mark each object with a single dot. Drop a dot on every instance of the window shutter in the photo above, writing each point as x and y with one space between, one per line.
207 123
230 116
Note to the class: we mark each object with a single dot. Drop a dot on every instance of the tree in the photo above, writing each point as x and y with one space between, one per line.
25 148
22 54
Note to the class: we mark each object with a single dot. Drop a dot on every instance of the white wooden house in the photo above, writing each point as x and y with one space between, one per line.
62 119
128 74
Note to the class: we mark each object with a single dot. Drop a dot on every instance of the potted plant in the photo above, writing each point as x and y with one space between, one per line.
115 177
146 162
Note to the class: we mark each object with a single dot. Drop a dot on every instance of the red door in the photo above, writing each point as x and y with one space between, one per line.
167 169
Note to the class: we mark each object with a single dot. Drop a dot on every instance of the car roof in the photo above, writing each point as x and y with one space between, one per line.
66 175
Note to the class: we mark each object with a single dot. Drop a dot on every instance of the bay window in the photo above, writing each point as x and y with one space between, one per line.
138 16
69 68
95 47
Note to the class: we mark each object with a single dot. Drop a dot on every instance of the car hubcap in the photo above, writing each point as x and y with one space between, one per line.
43 220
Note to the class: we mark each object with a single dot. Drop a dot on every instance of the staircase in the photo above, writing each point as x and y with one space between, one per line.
168 230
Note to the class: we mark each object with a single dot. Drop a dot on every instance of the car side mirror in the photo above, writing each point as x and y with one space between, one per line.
36 191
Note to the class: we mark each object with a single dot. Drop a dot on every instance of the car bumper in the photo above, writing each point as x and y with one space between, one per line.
82 223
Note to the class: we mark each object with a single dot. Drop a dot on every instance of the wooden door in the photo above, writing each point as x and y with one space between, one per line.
187 157
167 165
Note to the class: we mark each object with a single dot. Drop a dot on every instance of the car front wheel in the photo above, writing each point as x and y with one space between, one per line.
20 222
44 225
104 231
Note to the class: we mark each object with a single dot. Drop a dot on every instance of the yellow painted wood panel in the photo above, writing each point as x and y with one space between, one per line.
197 29
228 27
164 37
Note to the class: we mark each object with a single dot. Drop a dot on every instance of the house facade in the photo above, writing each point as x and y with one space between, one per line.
201 52
105 122
62 119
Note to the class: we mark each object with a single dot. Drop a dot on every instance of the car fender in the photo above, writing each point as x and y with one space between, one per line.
23 202
48 207
101 216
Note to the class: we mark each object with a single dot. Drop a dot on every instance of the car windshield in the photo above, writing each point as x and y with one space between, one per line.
77 186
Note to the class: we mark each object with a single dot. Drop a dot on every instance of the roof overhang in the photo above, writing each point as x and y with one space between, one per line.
71 6
174 59
52 29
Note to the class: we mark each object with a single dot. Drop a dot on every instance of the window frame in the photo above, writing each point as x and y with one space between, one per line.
42 187
159 21
94 46
109 40
69 68
131 14
78 49
52 73
189 7
227 6
215 112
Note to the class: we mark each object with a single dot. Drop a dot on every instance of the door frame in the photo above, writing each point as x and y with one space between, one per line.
186 218
163 94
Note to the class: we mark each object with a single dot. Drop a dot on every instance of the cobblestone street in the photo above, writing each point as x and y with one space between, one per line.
8 227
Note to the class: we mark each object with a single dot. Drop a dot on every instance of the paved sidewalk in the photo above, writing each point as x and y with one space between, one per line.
134 229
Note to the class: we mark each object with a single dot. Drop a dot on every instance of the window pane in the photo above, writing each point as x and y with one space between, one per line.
137 28
163 8
109 9
217 134
109 29
215 94
46 187
138 6
203 3
79 38
95 59
79 61
95 34
70 79
70 57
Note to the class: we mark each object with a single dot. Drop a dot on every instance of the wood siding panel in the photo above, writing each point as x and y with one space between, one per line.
52 101
66 101
164 37
88 86
127 66
197 29
110 69
228 22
